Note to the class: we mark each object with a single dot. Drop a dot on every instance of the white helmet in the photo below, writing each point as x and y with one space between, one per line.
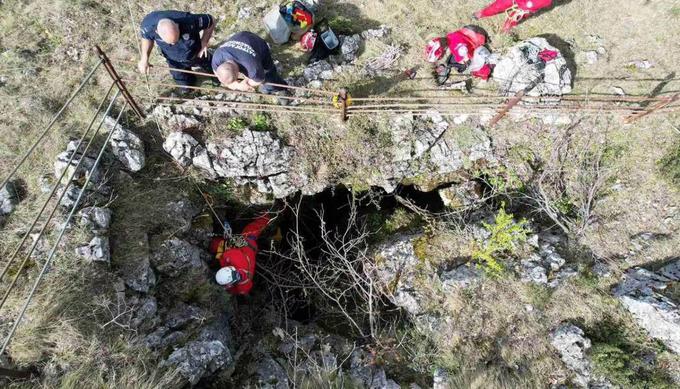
227 276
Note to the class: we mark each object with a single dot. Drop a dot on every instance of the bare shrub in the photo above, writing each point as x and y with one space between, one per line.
338 276
570 182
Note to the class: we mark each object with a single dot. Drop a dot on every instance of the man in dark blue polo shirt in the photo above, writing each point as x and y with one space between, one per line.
178 36
249 55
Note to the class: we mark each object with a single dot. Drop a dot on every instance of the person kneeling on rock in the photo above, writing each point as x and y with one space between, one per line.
467 51
236 255
249 55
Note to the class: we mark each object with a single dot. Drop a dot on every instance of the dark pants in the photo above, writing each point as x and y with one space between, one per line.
271 75
186 79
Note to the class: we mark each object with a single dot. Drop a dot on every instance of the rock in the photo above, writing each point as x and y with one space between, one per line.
139 276
182 314
366 374
45 183
203 161
640 292
182 122
463 195
85 169
70 197
199 358
9 198
259 158
572 345
521 69
181 146
127 147
440 380
145 310
321 70
378 33
180 214
591 57
462 276
397 269
602 269
97 250
349 47
95 219
618 91
244 13
641 64
175 256
271 375
533 271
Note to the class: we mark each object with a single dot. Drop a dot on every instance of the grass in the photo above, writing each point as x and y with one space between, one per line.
63 328
619 352
669 165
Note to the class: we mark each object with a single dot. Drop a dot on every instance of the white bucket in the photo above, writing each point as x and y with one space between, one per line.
276 26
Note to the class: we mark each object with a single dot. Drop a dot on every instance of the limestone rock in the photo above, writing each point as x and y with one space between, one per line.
572 345
95 219
82 172
321 70
98 250
271 375
462 276
9 198
463 195
175 256
182 314
349 47
139 276
397 270
640 292
127 147
257 158
378 33
521 69
181 146
199 358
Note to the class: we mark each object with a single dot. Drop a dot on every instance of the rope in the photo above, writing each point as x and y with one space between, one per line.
48 261
225 90
250 104
51 124
56 185
310 90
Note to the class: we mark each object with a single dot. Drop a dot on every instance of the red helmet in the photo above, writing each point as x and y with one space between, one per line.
308 40
434 50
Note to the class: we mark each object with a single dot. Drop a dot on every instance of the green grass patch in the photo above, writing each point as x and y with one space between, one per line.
670 165
625 357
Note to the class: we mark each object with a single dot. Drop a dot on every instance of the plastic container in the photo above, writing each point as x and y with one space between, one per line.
276 27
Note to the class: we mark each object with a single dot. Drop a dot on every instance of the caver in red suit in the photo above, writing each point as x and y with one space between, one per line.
238 263
517 10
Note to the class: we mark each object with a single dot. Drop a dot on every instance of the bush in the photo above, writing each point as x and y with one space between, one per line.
506 234
261 122
237 124
626 358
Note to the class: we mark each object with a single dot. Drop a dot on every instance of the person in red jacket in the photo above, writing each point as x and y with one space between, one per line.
517 10
463 45
237 261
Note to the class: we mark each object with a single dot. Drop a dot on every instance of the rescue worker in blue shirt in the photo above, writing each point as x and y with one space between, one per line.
178 36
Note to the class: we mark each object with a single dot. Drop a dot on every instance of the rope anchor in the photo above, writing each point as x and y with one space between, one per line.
341 101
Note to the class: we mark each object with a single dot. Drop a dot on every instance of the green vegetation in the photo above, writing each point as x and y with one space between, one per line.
237 124
625 357
501 179
506 234
670 165
261 122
